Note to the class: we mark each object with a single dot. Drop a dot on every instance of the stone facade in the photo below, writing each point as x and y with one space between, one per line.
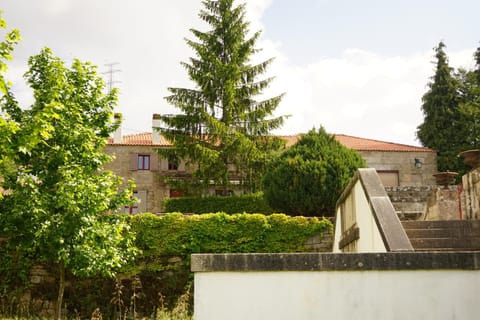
411 168
150 188
397 165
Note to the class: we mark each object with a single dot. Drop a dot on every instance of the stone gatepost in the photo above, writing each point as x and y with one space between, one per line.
471 186
471 195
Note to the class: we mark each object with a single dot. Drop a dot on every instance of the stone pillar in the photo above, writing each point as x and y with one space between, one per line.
471 195
443 204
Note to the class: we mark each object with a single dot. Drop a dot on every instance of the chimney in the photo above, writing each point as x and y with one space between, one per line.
156 123
117 135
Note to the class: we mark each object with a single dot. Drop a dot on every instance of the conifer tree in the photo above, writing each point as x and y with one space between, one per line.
469 94
441 128
222 130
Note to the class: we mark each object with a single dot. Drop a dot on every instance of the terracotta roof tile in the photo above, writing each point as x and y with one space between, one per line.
362 144
140 139
356 143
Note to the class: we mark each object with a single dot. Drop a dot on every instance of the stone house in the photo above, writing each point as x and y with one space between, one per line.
396 164
136 159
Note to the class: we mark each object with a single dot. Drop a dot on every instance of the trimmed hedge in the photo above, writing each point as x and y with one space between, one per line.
180 235
249 203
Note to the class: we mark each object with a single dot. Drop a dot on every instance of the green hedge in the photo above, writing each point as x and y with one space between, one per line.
180 235
250 203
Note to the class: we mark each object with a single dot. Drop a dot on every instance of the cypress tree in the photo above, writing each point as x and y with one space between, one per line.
440 129
222 130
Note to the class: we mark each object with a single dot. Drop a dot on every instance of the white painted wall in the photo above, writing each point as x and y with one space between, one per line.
370 237
349 295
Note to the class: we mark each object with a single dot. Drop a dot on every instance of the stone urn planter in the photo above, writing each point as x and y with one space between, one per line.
445 178
471 157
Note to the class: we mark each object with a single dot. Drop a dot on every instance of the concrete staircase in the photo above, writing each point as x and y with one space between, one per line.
448 235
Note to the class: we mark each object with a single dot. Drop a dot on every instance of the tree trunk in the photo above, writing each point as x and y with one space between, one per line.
61 289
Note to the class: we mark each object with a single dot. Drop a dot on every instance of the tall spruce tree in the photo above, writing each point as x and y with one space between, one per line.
222 131
441 128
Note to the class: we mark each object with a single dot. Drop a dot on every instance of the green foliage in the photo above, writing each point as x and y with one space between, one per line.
451 109
8 127
441 117
12 37
160 276
469 104
60 195
221 124
308 178
175 234
60 190
249 203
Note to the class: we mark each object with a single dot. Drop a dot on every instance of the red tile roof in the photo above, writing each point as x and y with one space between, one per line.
362 144
356 143
139 139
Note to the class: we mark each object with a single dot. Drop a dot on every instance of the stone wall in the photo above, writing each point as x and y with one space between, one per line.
404 163
410 202
337 286
425 202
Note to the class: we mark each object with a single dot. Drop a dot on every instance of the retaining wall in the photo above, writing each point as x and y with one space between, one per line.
337 286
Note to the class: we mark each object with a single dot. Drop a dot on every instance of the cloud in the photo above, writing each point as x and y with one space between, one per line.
359 92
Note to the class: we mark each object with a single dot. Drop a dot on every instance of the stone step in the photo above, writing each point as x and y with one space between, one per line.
438 243
446 249
442 224
443 233
456 235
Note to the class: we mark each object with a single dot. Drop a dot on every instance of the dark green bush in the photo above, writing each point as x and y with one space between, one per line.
308 178
250 203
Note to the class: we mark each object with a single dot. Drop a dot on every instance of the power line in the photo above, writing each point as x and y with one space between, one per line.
111 71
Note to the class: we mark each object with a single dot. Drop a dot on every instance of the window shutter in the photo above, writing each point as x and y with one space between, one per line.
133 161
154 162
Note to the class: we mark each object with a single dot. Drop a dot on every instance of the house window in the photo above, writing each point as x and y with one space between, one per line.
176 193
223 193
132 209
172 163
143 162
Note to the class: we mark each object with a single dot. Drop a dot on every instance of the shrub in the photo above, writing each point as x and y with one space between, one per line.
308 178
175 234
249 203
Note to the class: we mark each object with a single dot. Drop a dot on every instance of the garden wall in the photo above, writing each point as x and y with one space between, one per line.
308 286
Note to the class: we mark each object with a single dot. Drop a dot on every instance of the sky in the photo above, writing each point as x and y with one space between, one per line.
355 67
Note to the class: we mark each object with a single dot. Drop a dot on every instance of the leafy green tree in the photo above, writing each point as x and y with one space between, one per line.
8 127
221 125
442 126
469 104
61 197
308 178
